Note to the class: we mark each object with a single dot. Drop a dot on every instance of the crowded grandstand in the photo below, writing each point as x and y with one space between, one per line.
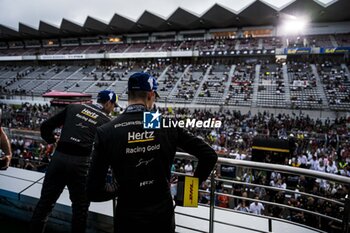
261 82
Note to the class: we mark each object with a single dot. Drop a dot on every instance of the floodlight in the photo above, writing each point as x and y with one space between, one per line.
294 25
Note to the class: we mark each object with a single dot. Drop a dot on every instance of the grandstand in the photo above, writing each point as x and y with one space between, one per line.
238 66
296 85
255 80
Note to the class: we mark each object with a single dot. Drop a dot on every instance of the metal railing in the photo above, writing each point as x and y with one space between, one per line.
344 203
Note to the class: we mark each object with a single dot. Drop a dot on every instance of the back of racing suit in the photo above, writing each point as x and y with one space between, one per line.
70 162
141 161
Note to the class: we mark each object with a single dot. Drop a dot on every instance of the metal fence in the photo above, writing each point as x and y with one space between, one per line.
343 203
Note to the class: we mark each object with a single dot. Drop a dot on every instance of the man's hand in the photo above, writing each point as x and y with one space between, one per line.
5 162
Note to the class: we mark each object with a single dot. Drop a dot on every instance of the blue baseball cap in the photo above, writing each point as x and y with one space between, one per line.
107 95
143 82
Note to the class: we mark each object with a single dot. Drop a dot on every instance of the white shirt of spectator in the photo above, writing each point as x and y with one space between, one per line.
188 169
275 175
256 208
309 155
297 195
233 154
248 178
215 147
332 169
281 186
321 168
303 159
242 209
314 164
240 156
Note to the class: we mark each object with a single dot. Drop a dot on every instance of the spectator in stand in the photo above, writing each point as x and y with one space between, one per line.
242 207
321 166
204 197
295 162
331 167
260 192
223 200
313 163
189 168
28 165
281 184
256 207
302 158
248 177
280 199
295 215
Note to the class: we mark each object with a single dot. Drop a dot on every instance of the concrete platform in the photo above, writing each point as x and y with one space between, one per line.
20 190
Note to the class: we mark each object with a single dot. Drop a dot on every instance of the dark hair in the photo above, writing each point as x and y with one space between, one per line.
134 95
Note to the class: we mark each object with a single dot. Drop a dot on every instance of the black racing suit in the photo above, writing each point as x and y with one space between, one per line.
141 161
70 162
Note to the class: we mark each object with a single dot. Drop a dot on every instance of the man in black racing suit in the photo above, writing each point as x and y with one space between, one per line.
70 162
141 160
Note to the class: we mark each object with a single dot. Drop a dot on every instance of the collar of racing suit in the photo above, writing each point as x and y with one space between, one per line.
136 108
98 105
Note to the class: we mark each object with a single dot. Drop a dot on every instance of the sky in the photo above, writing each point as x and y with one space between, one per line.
30 12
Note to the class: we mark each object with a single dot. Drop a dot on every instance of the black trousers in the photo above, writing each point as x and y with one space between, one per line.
63 170
154 218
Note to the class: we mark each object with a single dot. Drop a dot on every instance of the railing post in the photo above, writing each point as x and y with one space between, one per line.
346 216
212 202
114 203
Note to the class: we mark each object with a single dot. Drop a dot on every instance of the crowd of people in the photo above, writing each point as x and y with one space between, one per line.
318 145
25 116
321 145
326 139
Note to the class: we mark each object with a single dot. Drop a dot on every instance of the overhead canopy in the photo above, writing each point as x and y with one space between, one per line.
61 98
70 28
48 29
300 8
27 31
120 24
182 19
338 11
225 19
6 32
55 94
95 26
151 22
256 13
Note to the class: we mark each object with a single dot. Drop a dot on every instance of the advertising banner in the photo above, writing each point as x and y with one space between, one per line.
335 50
297 50
237 52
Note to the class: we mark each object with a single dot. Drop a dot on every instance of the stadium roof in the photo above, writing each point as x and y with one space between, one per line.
48 30
258 13
69 28
94 26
